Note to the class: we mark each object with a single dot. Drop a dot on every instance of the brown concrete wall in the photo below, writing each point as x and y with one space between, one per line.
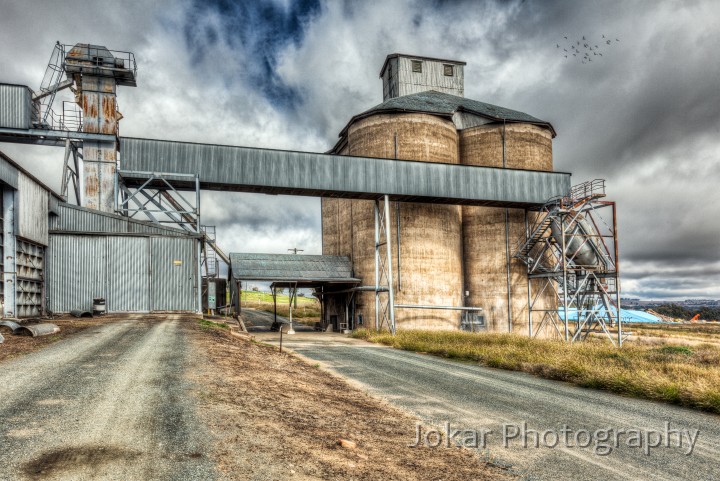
430 240
526 147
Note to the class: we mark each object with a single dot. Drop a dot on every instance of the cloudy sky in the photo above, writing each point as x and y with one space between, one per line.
289 75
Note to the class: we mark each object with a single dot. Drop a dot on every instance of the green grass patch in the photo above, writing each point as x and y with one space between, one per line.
677 374
212 325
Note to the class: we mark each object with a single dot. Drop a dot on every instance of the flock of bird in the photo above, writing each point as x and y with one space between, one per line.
585 50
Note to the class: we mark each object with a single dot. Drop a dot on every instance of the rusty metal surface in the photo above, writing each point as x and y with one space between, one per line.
88 59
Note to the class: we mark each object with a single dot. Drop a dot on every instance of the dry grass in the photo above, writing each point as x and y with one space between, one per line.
709 331
678 374
274 416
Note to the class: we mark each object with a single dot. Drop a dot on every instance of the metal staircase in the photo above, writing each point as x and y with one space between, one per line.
571 254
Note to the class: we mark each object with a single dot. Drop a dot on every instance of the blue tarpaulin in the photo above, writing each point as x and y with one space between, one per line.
625 314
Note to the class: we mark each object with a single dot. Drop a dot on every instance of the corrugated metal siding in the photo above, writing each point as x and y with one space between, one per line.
432 77
174 273
72 218
32 211
15 105
301 173
130 280
76 272
290 267
8 173
131 273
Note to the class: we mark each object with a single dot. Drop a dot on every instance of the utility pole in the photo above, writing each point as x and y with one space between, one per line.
295 250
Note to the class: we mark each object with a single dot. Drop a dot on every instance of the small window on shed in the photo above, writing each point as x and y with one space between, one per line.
448 70
417 66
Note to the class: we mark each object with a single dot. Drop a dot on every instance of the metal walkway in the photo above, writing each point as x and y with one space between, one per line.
244 169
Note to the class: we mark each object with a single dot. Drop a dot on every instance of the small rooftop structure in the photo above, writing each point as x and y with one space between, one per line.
98 61
404 74
303 270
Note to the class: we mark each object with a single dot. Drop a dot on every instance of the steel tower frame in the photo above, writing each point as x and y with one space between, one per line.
585 297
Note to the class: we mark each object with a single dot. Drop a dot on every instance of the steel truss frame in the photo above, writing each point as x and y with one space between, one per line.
384 308
71 172
587 295
148 199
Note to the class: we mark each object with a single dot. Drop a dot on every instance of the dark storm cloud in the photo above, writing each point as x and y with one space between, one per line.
261 29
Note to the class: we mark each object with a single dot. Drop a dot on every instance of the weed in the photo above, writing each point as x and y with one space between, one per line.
676 350
205 324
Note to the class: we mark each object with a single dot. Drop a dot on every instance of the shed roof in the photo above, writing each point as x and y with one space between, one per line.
291 267
445 105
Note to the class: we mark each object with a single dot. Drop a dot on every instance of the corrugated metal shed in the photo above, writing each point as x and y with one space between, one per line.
72 218
245 169
132 273
15 105
291 267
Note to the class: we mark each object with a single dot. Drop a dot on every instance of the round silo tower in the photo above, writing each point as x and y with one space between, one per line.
430 241
448 256
488 281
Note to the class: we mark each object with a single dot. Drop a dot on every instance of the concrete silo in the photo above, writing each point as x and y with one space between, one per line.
490 235
448 256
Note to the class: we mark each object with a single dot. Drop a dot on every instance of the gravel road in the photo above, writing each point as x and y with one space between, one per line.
478 398
111 402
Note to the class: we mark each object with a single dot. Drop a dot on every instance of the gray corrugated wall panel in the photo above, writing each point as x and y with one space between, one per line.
302 173
131 273
82 220
79 219
15 106
173 286
129 269
8 173
76 271
32 212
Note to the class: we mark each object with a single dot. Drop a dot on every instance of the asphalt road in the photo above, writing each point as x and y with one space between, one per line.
111 402
477 398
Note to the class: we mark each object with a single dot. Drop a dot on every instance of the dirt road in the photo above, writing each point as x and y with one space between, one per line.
174 398
110 403
473 397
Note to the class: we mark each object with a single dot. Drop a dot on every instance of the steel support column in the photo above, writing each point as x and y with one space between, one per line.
9 253
384 314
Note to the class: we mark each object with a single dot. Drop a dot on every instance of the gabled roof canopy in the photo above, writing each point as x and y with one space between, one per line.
281 268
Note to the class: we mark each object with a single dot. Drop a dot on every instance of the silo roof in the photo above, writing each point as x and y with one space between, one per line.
445 105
